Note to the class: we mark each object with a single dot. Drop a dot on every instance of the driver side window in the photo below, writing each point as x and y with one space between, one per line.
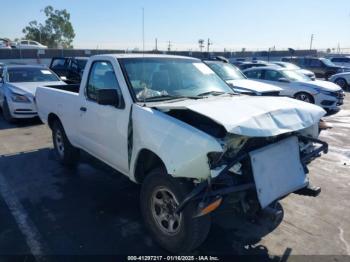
101 76
272 75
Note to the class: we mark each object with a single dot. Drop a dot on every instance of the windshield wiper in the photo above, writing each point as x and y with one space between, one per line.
217 93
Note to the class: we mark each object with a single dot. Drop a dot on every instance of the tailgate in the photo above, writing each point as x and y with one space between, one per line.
277 170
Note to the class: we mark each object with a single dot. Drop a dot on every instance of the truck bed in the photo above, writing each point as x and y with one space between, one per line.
70 88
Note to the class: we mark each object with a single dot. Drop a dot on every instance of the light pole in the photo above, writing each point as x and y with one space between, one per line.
311 41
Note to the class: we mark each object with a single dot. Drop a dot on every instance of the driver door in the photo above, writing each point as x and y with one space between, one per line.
103 128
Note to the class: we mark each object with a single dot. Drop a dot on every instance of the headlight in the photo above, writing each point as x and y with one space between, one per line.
328 93
19 98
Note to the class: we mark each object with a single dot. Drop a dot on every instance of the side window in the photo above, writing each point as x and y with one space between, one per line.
101 76
272 75
254 74
32 43
315 63
24 42
74 65
58 63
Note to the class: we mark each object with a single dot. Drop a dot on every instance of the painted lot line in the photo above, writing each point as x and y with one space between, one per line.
26 226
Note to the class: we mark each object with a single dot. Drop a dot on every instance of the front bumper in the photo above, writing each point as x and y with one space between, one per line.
204 191
330 101
23 110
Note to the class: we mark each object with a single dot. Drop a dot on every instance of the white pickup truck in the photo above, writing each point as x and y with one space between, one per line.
171 124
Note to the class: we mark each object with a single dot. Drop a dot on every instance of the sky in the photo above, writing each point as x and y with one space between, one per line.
230 24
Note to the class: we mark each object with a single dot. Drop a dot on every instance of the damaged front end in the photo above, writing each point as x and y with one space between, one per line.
253 173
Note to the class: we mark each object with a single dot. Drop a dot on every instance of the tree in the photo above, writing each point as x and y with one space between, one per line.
201 44
57 31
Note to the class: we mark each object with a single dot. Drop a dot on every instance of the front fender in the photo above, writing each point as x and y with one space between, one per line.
182 148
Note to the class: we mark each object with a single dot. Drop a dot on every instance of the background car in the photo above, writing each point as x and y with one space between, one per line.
291 66
70 69
17 89
238 81
5 44
246 65
341 61
294 84
342 80
322 67
30 44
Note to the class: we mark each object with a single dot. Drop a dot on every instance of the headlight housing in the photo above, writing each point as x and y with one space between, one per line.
19 98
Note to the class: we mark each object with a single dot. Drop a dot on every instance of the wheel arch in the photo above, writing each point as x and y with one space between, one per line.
51 118
145 161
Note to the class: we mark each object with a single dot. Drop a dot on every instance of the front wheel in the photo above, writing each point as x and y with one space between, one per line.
342 83
305 97
67 154
177 233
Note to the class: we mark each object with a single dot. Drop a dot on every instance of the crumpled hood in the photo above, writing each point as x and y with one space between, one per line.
253 116
253 85
324 85
24 88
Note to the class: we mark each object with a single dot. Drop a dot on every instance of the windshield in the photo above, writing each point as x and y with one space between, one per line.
327 62
167 78
226 71
31 74
295 76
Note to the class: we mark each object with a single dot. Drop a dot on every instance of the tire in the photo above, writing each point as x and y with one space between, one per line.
302 96
67 154
342 83
187 232
6 113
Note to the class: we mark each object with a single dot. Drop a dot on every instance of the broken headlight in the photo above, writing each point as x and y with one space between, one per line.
232 144
215 159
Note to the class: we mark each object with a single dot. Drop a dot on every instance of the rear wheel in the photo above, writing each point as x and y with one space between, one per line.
177 233
304 97
67 154
342 83
6 113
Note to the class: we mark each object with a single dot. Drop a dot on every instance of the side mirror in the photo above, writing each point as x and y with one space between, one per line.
283 80
109 97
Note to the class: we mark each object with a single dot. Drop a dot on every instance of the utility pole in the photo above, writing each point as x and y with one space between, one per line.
209 43
156 45
169 46
311 41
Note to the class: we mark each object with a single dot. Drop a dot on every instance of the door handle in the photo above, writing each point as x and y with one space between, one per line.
83 109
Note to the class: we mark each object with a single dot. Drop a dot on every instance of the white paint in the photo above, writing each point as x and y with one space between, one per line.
342 239
25 225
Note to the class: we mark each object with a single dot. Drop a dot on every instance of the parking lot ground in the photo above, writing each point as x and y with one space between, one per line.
90 210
